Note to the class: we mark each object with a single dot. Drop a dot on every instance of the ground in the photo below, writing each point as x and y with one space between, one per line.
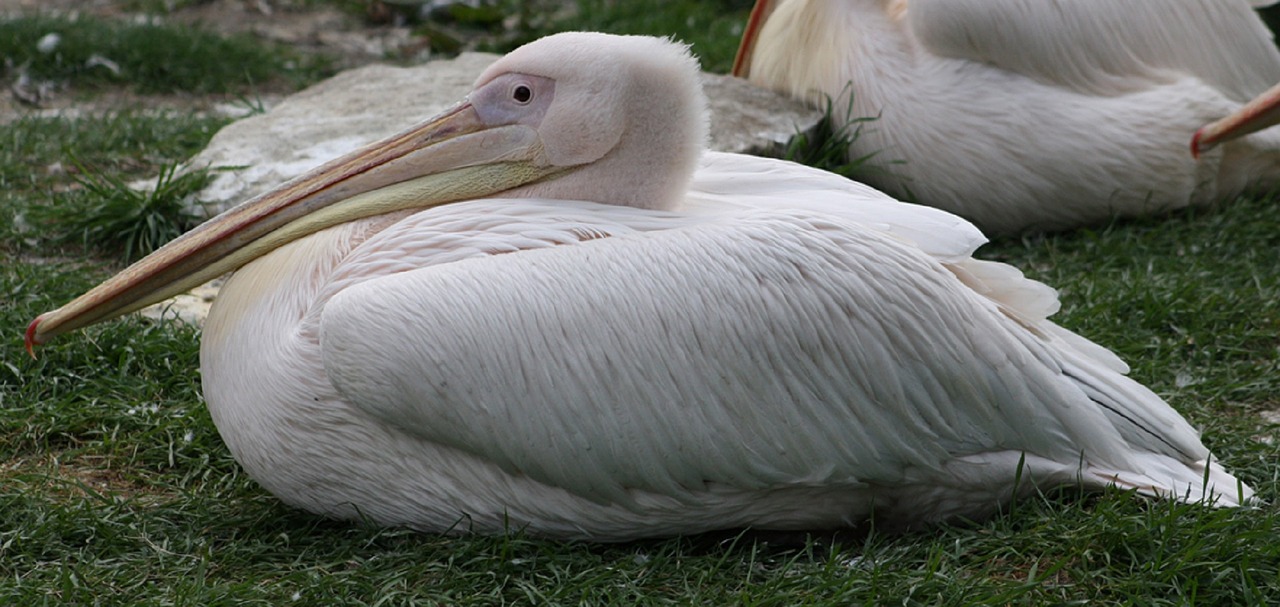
346 37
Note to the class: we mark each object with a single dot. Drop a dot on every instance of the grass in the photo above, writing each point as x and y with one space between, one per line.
115 488
711 27
109 217
63 181
152 57
826 146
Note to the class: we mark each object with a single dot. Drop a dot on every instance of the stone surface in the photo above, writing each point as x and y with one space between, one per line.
191 307
327 120
365 104
748 119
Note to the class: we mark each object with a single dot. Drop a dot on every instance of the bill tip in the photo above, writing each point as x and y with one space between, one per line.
32 340
1195 144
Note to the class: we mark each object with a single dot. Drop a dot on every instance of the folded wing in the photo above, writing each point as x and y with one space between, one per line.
1105 46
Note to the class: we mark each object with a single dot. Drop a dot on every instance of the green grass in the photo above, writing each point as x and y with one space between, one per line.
711 27
115 488
151 57
36 152
109 217
827 146
63 181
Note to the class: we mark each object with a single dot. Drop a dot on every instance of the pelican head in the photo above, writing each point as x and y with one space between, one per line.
585 116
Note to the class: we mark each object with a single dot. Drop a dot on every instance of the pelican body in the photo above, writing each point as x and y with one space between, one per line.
1025 115
548 309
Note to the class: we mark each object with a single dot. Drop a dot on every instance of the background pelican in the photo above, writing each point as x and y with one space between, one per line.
605 350
1026 114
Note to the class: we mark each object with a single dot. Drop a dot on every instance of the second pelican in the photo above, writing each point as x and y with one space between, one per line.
1030 114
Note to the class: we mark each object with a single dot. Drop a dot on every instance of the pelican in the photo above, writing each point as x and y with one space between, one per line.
1024 115
548 309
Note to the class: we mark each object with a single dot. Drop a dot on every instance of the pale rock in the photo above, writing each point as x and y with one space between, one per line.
327 120
358 106
191 307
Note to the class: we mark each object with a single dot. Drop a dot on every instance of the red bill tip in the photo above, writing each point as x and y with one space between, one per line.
31 337
1195 144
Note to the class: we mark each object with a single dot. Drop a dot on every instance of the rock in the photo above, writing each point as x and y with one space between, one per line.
748 119
327 120
365 104
191 307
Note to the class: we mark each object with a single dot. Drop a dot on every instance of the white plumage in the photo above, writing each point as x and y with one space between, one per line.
756 343
1030 114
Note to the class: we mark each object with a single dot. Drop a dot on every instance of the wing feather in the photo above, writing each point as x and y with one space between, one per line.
745 182
784 348
1107 46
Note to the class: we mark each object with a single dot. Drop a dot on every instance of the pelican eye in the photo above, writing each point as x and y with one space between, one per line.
522 93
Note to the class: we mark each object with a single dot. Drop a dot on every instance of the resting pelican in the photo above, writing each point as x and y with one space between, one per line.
1029 114
586 345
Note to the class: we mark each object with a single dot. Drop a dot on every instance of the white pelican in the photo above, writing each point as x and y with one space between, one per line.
1030 114
591 347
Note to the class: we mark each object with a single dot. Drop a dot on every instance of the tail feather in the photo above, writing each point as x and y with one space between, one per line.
976 485
1165 477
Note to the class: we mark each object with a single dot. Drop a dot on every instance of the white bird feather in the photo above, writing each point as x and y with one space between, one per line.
1031 114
